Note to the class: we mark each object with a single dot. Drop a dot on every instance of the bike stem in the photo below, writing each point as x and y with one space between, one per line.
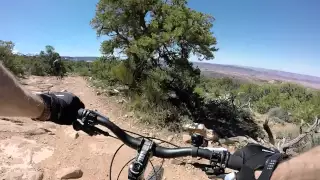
138 166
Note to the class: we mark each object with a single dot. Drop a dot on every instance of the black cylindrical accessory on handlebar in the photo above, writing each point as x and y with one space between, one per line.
123 136
197 140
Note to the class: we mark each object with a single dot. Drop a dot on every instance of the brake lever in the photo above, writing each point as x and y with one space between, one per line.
209 170
91 130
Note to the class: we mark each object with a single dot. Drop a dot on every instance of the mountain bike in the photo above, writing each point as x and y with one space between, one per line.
219 158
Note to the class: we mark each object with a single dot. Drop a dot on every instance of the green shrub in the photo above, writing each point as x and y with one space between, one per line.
200 91
38 68
102 69
83 71
302 103
10 60
15 65
122 73
280 113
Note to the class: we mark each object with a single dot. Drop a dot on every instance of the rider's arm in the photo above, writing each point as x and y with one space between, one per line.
14 100
304 166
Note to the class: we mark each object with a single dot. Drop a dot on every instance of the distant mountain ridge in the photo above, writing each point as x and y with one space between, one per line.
252 73
242 72
80 58
259 70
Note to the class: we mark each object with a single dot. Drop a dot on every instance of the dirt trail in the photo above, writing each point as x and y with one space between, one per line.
27 146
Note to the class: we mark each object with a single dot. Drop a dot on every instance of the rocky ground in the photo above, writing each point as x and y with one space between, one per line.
31 150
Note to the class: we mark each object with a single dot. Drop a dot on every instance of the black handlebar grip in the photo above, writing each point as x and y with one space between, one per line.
235 162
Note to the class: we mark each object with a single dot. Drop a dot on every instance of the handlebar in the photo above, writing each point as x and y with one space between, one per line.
91 118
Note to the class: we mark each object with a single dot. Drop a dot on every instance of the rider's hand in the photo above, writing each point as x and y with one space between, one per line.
254 158
62 107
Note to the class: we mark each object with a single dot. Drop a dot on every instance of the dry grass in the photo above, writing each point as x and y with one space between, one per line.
286 130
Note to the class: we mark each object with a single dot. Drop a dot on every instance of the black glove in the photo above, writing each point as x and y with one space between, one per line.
63 106
256 157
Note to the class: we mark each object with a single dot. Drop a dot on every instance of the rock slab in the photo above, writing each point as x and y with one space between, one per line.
69 173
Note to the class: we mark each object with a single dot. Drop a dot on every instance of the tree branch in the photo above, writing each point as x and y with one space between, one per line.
121 36
269 132
311 129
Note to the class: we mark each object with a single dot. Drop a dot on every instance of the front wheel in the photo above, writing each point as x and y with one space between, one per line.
156 173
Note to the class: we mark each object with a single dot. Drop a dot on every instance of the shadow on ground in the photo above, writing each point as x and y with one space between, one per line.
228 120
220 115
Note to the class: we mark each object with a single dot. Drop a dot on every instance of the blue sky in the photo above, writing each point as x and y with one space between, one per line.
275 34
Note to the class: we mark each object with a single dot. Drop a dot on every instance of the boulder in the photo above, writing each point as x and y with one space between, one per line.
69 173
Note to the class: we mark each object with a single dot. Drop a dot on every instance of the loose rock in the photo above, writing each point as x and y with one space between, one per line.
38 131
35 175
211 136
69 173
131 114
240 139
151 135
157 141
71 133
222 141
113 92
177 162
120 101
195 128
